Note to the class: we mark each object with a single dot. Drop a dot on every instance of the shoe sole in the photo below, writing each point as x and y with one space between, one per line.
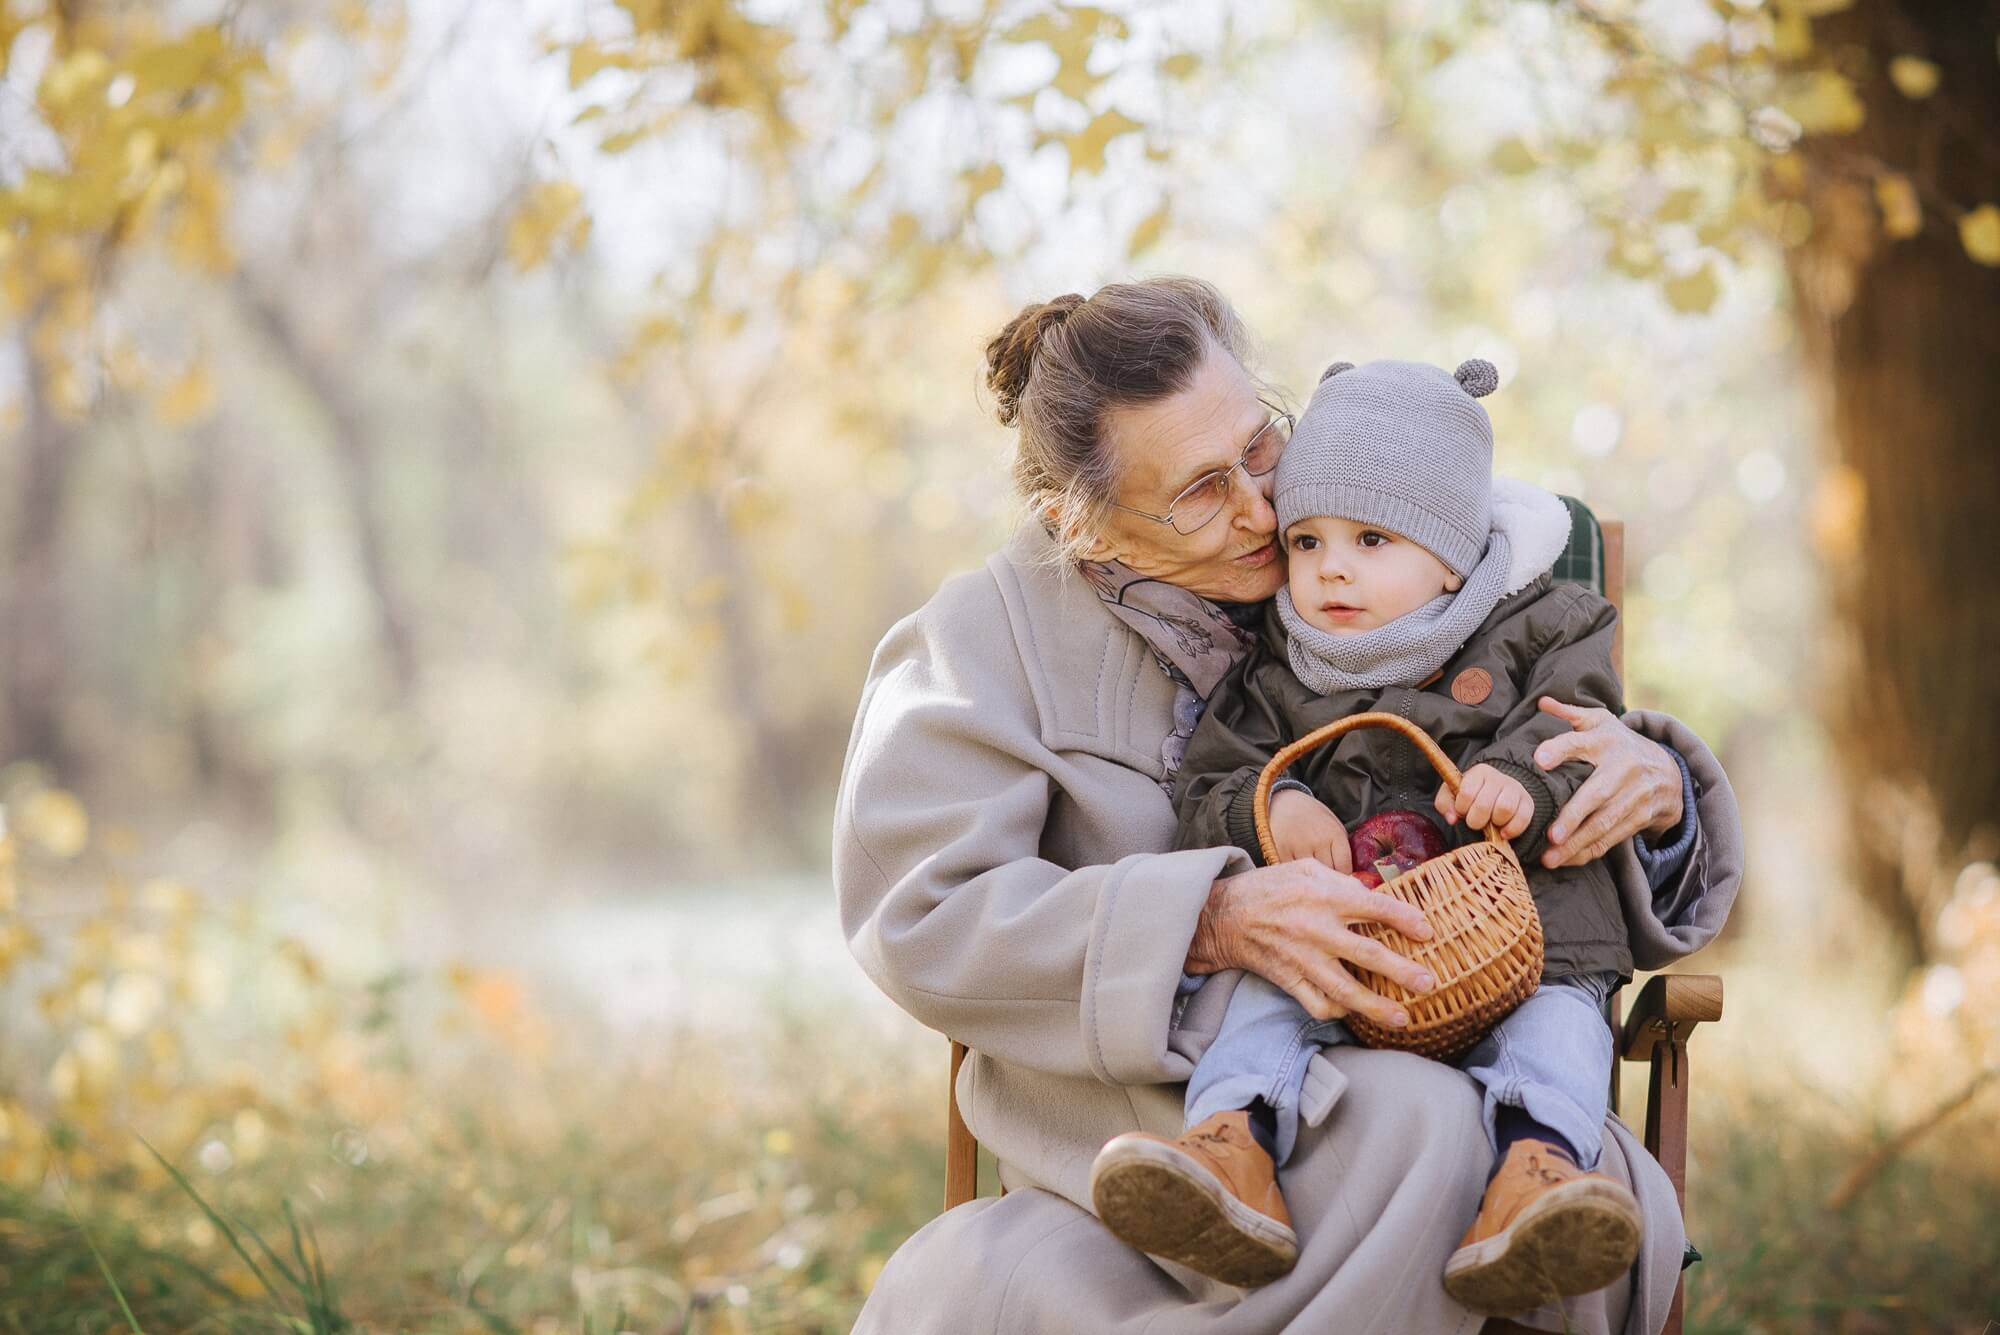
1155 1199
1574 1238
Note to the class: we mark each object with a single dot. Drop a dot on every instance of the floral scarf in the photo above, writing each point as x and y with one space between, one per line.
1195 641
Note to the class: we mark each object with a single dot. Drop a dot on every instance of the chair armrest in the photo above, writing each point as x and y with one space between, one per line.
1669 1004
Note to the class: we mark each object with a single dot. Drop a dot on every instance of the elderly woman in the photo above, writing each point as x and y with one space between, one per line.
1001 855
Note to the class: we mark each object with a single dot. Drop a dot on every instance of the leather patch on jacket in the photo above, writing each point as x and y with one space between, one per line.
1472 686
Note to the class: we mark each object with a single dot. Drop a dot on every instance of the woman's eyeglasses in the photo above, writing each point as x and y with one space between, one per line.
1202 499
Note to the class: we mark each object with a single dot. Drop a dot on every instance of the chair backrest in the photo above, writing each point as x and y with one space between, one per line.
1596 557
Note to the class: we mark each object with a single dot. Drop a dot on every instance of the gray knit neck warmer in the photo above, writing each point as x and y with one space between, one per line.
1407 650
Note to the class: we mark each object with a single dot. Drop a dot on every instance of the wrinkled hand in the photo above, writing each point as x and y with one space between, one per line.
1302 826
1485 797
1636 786
1290 923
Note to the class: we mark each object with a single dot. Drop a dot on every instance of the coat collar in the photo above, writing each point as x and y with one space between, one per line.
1095 683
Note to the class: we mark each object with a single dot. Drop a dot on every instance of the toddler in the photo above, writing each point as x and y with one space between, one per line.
1421 586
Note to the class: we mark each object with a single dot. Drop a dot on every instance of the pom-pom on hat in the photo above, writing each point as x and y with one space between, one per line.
1402 445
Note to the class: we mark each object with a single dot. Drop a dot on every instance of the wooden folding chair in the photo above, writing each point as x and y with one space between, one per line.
1663 1015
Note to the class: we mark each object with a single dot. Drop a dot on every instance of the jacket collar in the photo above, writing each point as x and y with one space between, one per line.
1537 526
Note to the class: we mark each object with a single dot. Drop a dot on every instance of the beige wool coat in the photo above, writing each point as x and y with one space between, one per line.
1000 860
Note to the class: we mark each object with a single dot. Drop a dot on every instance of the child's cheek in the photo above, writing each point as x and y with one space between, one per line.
1299 574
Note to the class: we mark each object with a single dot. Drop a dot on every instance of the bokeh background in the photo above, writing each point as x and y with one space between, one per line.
458 458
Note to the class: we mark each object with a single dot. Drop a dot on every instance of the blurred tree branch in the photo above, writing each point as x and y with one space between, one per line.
1865 1172
354 453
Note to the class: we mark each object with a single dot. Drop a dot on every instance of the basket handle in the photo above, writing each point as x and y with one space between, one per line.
1339 728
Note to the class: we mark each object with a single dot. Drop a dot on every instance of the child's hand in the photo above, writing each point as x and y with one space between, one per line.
1488 797
1302 827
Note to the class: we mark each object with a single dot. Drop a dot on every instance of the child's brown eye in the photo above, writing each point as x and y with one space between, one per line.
1378 538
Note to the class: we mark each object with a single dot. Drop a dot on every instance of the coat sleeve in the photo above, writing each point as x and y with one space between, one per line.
1680 917
1216 792
944 895
1570 659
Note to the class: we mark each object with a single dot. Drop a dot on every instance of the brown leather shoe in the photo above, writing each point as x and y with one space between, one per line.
1208 1200
1546 1230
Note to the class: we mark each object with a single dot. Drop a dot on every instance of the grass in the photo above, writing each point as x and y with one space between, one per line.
304 1276
673 1198
445 1158
1919 1249
56 1274
666 1196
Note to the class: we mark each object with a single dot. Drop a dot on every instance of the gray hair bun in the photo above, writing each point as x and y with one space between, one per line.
1478 377
1335 369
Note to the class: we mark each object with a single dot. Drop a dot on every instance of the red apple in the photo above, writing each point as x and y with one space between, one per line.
1391 842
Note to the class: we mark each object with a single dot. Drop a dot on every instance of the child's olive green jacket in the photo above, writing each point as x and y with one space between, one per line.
1545 639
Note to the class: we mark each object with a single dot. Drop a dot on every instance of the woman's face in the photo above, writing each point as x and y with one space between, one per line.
1163 446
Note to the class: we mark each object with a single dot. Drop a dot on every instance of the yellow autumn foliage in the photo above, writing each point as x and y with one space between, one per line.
1979 231
1087 146
55 821
138 114
1824 102
189 398
1896 196
551 217
1914 77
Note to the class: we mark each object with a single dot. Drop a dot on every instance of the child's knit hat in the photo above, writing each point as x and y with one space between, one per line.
1399 444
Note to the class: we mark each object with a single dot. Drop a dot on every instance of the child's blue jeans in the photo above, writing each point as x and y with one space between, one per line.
1551 1057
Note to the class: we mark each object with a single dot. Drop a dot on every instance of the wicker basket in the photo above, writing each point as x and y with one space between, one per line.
1486 945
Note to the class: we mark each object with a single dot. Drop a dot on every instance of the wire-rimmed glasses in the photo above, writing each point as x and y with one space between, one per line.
1202 499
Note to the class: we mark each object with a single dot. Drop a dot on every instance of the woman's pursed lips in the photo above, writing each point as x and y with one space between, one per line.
1262 556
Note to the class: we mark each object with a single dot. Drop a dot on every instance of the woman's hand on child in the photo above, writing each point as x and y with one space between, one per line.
1486 797
1634 785
1303 827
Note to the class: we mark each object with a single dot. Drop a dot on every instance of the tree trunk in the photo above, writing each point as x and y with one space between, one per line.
1905 336
355 461
228 540
33 653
